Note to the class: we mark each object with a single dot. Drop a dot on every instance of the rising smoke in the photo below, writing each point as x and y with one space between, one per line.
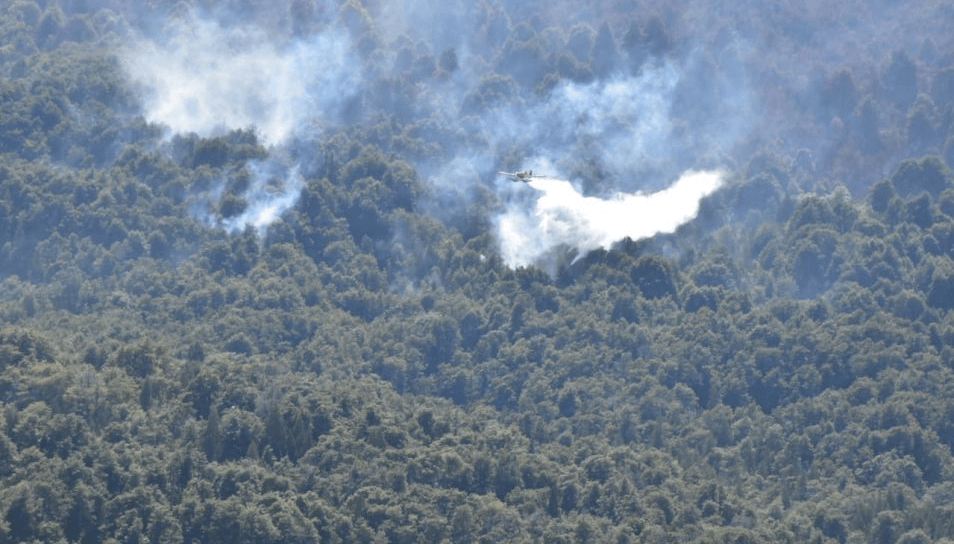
272 188
621 125
206 78
615 137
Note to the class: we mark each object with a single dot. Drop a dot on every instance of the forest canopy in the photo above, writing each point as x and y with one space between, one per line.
260 279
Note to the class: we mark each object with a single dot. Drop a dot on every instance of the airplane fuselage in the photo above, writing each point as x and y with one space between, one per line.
523 175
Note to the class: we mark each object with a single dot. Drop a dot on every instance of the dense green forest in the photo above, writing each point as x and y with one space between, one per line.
368 368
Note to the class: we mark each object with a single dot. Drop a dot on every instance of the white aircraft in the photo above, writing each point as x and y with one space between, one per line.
523 175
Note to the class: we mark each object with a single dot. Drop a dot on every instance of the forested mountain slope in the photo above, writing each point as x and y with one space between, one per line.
292 321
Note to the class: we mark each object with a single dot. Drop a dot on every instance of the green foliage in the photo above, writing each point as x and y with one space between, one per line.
655 277
778 370
494 90
927 174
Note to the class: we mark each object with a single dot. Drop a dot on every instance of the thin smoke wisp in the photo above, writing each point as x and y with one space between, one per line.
270 193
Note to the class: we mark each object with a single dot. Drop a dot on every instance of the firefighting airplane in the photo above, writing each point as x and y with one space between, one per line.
524 175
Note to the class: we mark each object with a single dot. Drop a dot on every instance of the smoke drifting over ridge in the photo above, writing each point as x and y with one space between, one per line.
614 136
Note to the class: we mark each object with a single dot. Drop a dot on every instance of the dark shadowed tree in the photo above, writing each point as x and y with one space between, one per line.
655 277
899 83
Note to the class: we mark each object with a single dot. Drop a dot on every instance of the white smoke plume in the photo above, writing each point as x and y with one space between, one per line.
269 194
563 217
271 189
617 138
621 127
207 78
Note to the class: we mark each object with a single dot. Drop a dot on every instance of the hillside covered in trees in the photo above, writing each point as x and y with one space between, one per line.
267 302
